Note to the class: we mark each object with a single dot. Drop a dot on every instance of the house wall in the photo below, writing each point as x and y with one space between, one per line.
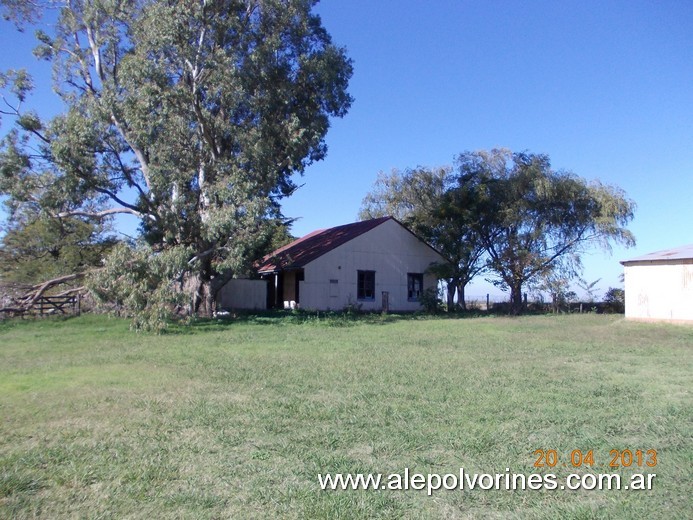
241 293
389 249
660 291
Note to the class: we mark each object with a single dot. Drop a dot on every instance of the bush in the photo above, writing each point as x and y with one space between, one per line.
430 301
615 300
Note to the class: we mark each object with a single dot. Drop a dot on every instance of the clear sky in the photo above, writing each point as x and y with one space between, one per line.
604 88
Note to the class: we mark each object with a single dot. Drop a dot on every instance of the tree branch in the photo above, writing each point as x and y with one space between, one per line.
205 254
117 199
70 291
104 213
139 153
38 290
126 170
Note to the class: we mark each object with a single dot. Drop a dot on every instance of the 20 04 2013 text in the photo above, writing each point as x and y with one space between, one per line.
618 458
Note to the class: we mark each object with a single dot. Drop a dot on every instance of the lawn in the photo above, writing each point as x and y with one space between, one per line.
237 419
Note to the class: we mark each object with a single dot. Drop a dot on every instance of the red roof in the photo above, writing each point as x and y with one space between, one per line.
306 249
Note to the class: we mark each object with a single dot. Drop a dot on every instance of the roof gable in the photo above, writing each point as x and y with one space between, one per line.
298 253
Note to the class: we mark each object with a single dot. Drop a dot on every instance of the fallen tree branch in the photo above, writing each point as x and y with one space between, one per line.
38 290
76 290
25 303
15 310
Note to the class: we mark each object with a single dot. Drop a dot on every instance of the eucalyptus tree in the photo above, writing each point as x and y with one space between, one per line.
191 115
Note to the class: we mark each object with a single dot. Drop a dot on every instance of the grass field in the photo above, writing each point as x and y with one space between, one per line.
236 420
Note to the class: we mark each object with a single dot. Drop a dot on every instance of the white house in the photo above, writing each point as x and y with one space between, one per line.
659 285
373 265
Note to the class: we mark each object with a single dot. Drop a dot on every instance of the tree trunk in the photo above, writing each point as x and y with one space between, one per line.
203 299
452 285
460 296
206 287
516 304
208 299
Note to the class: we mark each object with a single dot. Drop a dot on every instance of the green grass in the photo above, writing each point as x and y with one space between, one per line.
236 420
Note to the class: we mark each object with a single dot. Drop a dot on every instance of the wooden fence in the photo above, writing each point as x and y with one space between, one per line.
46 306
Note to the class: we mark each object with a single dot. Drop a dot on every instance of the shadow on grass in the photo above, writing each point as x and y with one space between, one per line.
276 318
346 318
316 318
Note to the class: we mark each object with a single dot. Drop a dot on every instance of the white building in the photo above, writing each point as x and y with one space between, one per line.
373 265
659 286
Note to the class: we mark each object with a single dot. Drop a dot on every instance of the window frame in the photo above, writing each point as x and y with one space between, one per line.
412 278
362 285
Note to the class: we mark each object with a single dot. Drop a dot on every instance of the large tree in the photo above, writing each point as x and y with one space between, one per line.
34 250
531 217
432 203
191 115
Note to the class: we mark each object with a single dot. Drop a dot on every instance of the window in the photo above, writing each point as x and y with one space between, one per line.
366 285
414 286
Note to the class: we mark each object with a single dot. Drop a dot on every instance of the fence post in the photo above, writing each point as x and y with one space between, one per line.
488 302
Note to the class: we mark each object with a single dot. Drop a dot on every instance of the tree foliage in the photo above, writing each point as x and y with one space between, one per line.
39 249
615 299
556 281
410 196
533 216
144 283
192 116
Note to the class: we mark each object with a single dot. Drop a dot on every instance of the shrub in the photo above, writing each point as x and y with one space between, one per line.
615 300
430 301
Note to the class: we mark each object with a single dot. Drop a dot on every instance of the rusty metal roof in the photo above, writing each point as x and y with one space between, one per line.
306 249
677 253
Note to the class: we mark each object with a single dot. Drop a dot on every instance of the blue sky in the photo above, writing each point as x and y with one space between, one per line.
604 88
